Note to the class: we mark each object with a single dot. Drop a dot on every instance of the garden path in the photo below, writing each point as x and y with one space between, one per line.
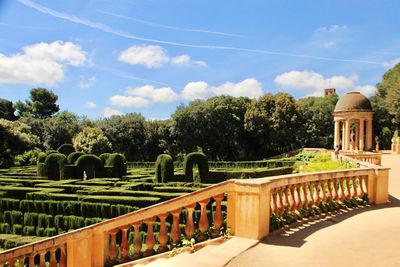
364 237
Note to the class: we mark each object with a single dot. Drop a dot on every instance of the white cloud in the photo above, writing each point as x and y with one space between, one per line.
153 56
391 63
328 44
129 101
196 90
312 83
90 104
201 90
159 95
332 28
88 83
42 63
108 112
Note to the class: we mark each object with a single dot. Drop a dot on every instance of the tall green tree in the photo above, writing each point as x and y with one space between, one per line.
92 140
41 104
7 110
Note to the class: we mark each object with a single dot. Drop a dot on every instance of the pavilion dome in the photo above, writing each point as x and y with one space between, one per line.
353 101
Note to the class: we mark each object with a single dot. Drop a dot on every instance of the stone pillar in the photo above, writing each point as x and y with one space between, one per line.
343 135
337 134
347 128
369 135
357 138
361 142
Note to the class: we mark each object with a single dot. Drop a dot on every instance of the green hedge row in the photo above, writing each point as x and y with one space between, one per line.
199 159
164 168
19 192
123 192
66 149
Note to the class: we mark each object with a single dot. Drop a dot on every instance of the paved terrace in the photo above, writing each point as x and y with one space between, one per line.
363 237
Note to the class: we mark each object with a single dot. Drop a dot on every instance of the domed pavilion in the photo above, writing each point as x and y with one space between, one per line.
353 122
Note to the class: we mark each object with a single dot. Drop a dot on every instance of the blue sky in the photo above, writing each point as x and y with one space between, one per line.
108 57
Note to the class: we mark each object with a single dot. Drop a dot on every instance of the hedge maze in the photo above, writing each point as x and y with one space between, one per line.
68 189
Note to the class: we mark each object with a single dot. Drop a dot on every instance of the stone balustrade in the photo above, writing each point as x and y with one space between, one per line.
250 204
374 158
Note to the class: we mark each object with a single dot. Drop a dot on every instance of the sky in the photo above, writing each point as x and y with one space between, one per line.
111 57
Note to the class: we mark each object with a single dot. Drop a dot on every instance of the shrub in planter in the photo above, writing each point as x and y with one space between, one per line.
54 166
74 156
201 161
164 168
66 149
90 164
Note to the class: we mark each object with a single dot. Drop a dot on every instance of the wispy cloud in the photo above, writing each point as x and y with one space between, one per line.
332 28
154 24
108 29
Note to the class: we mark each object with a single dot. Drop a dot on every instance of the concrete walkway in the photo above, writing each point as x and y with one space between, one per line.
362 237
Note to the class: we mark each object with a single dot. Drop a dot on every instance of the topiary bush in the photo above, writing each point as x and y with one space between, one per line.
117 162
201 161
90 164
74 156
40 163
53 166
66 149
164 168
104 157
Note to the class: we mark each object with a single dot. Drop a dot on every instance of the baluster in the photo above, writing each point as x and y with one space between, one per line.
53 260
303 196
291 201
162 234
272 203
310 199
31 260
150 240
340 189
279 205
297 199
11 262
334 192
63 257
364 184
189 227
322 195
347 191
285 200
328 192
137 241
175 231
359 189
315 197
353 193
42 262
203 223
218 219
21 261
113 246
124 243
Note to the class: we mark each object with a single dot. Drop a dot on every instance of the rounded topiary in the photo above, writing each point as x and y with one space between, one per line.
74 156
104 157
66 149
54 166
90 164
40 163
195 158
164 168
117 162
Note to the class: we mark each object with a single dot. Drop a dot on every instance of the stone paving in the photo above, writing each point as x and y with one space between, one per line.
363 237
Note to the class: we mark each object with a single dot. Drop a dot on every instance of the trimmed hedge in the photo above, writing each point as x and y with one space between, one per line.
40 163
117 162
74 156
54 166
104 157
164 168
48 152
66 149
90 164
195 158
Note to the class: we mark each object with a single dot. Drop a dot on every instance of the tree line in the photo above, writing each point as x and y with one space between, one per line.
223 127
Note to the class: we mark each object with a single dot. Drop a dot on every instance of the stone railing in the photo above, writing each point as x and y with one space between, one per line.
374 158
250 204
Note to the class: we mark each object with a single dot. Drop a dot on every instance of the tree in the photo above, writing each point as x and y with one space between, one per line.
7 110
42 104
126 134
317 121
91 140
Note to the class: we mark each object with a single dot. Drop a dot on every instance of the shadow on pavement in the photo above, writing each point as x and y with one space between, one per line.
295 234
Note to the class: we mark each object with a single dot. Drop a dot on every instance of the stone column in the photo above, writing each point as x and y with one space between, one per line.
361 142
343 135
369 135
337 133
347 128
357 137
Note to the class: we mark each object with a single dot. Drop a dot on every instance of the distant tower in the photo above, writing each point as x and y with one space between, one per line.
329 91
